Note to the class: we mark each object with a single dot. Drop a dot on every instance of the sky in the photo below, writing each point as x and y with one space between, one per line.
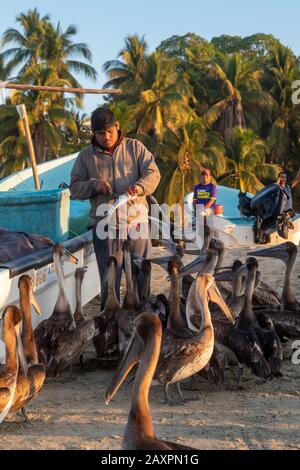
103 25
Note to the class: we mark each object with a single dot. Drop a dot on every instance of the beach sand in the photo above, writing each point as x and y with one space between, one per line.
70 412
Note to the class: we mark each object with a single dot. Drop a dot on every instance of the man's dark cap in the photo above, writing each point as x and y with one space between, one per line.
102 119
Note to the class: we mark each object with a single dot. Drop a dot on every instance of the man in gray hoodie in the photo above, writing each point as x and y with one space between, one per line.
110 166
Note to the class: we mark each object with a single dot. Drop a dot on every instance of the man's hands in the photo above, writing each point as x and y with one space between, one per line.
102 187
133 191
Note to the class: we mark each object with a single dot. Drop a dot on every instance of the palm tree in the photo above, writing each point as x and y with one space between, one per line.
183 153
47 114
127 72
13 148
40 42
58 52
28 42
165 101
124 113
281 70
45 55
246 162
5 71
238 80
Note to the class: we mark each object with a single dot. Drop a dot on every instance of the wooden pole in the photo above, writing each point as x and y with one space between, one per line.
21 108
95 91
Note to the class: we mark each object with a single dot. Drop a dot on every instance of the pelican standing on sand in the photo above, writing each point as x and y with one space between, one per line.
264 330
106 340
31 377
287 319
78 313
60 341
182 356
143 348
61 319
11 319
241 342
287 253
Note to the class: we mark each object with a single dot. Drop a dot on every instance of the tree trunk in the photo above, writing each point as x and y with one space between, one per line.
239 114
39 143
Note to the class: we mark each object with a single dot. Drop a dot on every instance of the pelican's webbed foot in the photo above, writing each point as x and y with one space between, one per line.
25 415
169 400
184 400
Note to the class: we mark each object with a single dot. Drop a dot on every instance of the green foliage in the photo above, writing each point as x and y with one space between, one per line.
257 45
224 104
42 54
246 162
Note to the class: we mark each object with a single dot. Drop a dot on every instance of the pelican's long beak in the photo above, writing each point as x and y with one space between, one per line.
69 257
169 245
194 267
162 260
224 276
215 296
242 271
130 359
196 251
34 303
277 251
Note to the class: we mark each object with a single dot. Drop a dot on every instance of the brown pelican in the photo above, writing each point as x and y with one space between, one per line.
265 296
11 319
27 298
70 346
106 341
31 376
144 348
176 253
58 338
286 252
125 317
142 300
287 320
236 299
241 341
264 328
219 246
207 261
47 332
184 355
132 304
78 313
203 264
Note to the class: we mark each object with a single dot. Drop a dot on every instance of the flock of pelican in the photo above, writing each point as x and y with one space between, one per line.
214 317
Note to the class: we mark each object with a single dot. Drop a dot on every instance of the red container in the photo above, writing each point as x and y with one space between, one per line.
219 209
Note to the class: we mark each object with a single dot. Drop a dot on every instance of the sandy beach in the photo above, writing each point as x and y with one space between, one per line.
70 412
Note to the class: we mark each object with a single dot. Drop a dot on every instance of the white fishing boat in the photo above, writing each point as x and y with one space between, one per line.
235 230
